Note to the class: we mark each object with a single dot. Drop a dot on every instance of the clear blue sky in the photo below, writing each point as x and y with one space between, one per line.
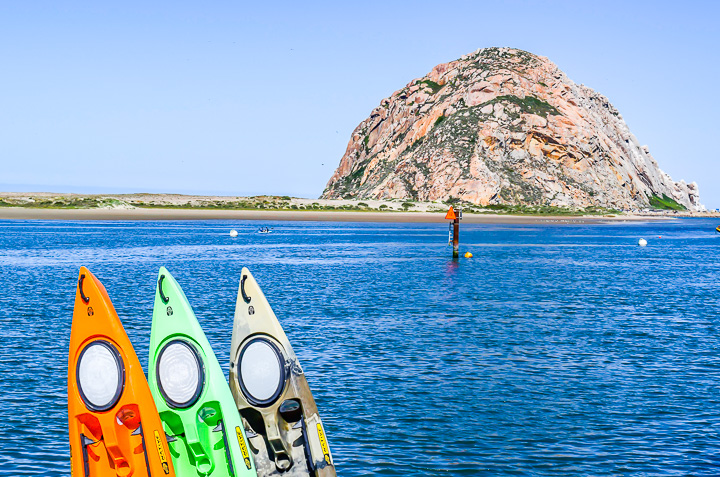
248 98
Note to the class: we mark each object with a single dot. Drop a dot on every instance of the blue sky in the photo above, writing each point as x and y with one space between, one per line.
242 98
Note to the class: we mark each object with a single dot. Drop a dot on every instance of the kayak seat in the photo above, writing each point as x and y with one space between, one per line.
203 441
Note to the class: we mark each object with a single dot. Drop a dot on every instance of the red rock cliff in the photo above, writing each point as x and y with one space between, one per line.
502 126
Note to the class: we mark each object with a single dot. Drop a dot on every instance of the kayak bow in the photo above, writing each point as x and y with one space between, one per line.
272 393
115 429
206 434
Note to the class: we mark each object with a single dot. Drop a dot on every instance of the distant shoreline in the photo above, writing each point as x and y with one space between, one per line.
58 206
28 213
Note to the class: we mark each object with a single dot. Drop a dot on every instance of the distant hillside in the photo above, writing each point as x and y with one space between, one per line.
503 126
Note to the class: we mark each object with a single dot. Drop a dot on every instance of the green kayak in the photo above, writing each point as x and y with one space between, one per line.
204 429
284 428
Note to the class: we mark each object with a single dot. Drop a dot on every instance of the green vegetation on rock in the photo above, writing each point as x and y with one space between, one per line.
665 203
433 85
528 104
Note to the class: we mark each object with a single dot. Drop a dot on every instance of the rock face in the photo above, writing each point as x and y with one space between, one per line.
502 126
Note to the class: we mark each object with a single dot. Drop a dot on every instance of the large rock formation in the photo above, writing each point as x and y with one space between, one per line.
502 126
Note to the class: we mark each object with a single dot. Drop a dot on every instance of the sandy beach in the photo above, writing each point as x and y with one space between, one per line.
25 213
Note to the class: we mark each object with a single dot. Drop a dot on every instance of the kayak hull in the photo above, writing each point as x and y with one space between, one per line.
207 437
287 435
122 435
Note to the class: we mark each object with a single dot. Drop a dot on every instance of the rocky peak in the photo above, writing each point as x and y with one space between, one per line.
502 126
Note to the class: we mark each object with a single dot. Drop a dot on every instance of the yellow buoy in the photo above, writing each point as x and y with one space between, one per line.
468 255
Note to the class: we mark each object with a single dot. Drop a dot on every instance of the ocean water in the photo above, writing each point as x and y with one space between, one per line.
556 350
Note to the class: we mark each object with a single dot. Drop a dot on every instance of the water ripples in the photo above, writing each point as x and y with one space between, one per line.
556 350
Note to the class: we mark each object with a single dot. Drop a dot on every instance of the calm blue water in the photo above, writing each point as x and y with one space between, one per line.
556 350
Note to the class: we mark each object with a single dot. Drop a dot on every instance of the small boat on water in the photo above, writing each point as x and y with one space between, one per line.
264 230
717 229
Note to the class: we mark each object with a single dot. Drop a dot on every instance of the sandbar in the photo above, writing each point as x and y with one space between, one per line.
113 214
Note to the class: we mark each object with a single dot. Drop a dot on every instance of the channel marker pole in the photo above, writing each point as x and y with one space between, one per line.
455 216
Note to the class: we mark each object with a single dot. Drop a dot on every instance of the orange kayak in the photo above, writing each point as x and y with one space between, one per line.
115 429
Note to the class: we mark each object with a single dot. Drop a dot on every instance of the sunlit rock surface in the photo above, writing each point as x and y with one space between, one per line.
502 126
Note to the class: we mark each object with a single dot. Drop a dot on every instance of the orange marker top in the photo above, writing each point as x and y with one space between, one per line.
451 214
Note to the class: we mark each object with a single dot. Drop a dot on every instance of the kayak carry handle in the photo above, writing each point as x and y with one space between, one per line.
139 431
82 295
308 452
242 289
84 442
162 295
221 427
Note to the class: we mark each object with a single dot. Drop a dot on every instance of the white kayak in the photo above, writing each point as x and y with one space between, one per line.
283 427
